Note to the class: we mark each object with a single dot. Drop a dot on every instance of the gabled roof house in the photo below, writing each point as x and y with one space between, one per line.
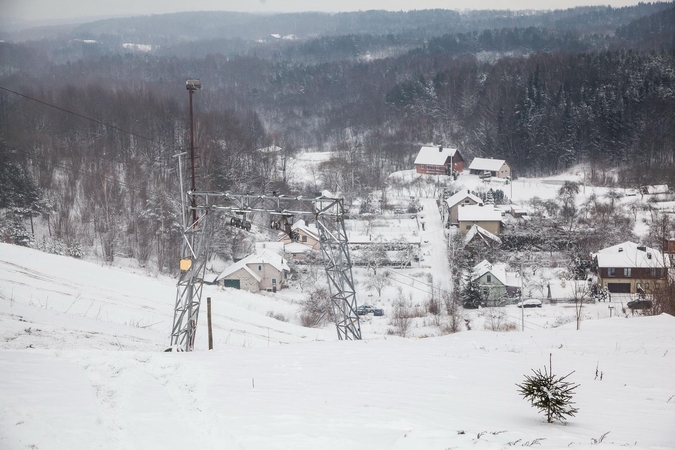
453 203
439 161
485 216
307 235
629 268
494 282
264 271
497 167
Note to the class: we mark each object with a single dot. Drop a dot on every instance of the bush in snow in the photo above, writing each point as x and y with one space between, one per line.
550 394
317 309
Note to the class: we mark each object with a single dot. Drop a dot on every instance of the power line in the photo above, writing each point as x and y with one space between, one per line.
81 116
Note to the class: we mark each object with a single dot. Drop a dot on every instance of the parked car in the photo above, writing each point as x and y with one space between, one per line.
640 304
531 303
364 309
378 312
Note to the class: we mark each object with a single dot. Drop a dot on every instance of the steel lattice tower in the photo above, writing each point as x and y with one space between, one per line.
329 216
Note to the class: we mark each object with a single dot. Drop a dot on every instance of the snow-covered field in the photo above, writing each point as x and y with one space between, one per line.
82 363
81 367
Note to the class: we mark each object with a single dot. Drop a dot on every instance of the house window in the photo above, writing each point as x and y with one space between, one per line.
611 272
259 267
626 272
304 239
466 202
468 227
656 272
274 281
489 278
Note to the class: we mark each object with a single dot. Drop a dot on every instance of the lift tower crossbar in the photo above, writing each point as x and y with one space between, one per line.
329 216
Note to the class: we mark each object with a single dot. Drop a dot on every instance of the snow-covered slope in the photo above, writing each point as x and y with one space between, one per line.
81 367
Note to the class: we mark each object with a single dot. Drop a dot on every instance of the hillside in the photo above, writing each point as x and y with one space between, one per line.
81 367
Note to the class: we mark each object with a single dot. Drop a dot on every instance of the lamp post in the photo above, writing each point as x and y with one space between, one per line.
192 85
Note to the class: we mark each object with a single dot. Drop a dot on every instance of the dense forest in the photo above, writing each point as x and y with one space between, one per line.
92 114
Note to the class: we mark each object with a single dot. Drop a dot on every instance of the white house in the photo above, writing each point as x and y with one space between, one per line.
497 167
264 271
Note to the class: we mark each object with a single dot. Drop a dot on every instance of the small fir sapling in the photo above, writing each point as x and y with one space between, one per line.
550 394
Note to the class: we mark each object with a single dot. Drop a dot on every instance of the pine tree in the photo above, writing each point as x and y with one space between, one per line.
550 394
471 296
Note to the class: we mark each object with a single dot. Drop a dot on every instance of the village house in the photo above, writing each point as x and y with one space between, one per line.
307 235
439 161
479 238
495 167
629 268
463 197
485 216
264 271
495 283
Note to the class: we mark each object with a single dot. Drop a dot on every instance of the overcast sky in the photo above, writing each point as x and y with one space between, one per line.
69 9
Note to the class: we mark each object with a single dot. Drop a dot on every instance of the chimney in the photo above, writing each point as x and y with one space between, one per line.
440 148
620 249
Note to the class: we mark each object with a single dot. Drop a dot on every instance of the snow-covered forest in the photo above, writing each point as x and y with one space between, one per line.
92 114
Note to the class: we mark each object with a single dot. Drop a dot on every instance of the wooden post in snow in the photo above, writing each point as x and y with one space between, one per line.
208 317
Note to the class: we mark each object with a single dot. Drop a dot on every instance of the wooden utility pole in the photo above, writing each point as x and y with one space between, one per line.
208 318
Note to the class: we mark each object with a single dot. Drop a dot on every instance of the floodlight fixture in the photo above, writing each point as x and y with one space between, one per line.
193 84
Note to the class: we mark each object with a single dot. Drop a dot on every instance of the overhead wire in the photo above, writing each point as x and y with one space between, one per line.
440 290
82 116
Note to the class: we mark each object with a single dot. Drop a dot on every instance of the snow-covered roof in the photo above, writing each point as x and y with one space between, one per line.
265 257
460 196
309 229
478 213
300 225
497 270
296 247
485 266
493 165
432 155
567 290
229 270
270 149
630 254
382 238
483 233
277 247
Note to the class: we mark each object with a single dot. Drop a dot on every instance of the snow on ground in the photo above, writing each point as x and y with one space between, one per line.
71 379
82 366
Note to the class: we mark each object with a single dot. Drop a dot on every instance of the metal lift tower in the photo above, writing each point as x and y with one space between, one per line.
329 216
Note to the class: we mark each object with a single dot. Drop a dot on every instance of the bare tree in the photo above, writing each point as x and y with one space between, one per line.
402 317
378 282
317 308
581 291
454 310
